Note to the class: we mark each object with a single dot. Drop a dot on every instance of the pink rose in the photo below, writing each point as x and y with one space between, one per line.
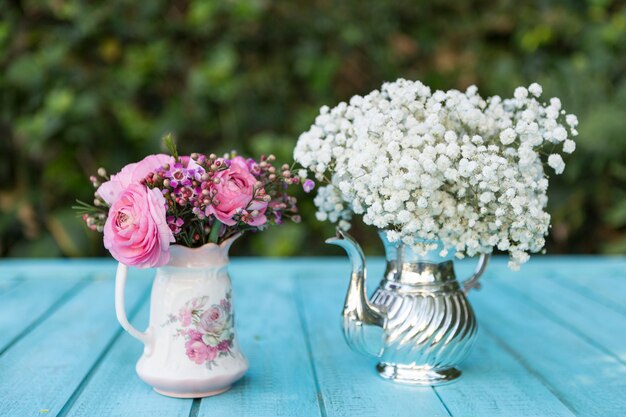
213 320
197 351
234 193
131 174
136 231
194 335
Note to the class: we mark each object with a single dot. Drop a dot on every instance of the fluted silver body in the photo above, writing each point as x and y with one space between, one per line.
430 326
418 321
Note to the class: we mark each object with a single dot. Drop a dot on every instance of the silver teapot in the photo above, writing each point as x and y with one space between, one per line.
418 322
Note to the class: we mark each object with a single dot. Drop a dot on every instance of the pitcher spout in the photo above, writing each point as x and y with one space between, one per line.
363 323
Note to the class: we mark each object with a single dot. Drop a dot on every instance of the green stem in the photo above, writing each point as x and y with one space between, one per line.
215 231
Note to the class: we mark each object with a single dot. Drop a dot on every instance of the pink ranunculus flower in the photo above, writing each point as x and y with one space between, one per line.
136 231
234 192
197 351
213 320
132 174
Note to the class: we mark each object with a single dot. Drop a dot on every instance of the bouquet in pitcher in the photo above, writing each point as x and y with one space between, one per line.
180 215
187 200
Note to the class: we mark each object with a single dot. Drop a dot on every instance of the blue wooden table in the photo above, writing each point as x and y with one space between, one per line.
552 342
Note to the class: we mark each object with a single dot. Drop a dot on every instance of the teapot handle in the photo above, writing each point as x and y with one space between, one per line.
472 282
120 310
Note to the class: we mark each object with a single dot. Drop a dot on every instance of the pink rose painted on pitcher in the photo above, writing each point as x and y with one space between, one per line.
208 330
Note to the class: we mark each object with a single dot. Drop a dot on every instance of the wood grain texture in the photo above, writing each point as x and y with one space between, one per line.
591 319
21 309
494 384
115 390
279 381
43 369
577 372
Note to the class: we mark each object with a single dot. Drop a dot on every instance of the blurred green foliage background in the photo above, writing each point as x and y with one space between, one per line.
85 84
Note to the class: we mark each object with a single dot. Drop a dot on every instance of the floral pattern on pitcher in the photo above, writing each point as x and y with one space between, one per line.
207 329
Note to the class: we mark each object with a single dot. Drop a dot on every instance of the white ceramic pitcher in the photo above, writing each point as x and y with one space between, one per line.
190 348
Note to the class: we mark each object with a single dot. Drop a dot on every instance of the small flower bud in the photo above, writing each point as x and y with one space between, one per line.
166 182
271 158
205 192
214 166
102 172
286 173
296 218
267 198
212 156
194 156
285 167
258 184
272 177
263 164
216 180
205 177
271 170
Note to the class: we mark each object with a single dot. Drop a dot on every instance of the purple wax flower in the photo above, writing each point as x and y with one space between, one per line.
308 186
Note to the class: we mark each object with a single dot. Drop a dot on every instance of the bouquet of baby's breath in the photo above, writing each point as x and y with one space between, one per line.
444 165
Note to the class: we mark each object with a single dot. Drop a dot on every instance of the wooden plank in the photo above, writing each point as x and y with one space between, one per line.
9 281
605 285
42 370
114 389
348 382
583 377
60 268
280 380
602 278
592 320
494 384
27 304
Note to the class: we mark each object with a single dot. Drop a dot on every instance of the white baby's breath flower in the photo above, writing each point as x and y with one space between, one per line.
507 136
520 93
569 146
571 120
556 162
535 89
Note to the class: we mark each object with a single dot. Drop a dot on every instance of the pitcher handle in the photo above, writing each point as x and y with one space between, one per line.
120 310
472 282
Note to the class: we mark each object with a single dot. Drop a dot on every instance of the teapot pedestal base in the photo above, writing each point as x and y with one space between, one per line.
192 394
417 375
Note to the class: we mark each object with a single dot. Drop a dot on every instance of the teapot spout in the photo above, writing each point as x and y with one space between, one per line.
363 323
